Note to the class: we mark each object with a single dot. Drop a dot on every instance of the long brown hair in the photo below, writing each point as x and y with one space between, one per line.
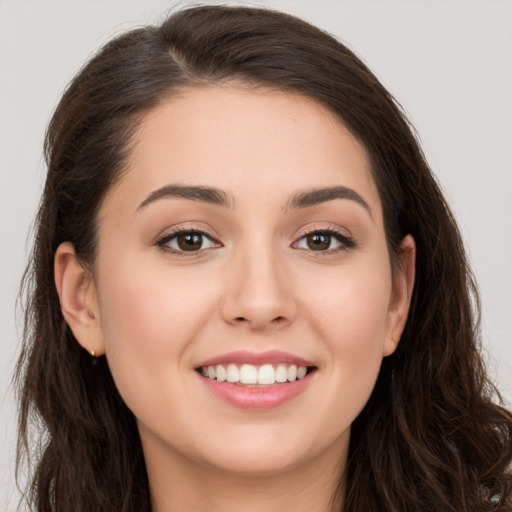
430 436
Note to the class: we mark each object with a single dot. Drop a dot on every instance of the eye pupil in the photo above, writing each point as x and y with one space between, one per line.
190 241
318 241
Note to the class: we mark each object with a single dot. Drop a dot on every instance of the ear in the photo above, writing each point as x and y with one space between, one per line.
401 293
78 299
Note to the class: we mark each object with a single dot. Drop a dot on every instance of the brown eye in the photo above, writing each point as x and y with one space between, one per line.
325 240
190 241
318 241
187 241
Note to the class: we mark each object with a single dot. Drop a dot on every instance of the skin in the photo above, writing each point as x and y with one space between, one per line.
257 286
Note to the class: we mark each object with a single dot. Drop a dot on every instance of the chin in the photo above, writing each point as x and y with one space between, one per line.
264 452
256 462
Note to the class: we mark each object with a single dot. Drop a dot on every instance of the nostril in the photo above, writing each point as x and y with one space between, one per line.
258 322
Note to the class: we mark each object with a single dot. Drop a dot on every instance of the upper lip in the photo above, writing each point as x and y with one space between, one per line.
256 358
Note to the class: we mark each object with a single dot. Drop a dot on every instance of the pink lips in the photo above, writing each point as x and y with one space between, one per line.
256 358
254 397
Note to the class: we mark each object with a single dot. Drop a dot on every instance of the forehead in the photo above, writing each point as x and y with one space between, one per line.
253 144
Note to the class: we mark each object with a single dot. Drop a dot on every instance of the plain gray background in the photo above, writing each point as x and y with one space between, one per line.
449 63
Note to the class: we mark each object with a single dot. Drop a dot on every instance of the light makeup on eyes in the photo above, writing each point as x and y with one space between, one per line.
189 241
325 240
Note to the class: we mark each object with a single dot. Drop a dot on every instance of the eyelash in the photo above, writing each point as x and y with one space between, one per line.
346 242
165 239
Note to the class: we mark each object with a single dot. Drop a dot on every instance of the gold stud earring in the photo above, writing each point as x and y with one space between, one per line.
94 357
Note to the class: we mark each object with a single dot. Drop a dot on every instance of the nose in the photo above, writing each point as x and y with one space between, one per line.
259 292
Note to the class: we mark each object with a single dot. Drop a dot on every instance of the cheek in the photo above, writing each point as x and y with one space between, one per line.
151 301
350 306
350 316
149 318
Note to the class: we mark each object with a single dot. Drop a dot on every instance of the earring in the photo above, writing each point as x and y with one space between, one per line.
94 357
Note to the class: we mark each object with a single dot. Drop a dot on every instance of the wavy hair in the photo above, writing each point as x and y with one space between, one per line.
430 437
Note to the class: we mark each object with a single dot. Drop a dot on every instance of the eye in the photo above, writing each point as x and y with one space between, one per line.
326 240
187 241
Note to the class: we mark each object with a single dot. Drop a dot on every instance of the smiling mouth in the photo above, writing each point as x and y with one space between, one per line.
255 376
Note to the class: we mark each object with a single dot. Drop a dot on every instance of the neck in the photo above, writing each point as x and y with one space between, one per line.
178 484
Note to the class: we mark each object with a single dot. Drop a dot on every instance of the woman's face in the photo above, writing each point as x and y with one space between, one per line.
245 239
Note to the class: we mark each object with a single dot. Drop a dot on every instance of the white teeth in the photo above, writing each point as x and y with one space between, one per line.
221 373
232 373
248 374
266 374
281 373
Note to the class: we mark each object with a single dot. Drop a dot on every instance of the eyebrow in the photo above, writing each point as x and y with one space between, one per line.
194 193
215 196
307 198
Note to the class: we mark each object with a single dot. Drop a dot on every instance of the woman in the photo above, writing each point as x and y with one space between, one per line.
248 290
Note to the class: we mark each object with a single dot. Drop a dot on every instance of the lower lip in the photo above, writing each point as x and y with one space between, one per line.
253 397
